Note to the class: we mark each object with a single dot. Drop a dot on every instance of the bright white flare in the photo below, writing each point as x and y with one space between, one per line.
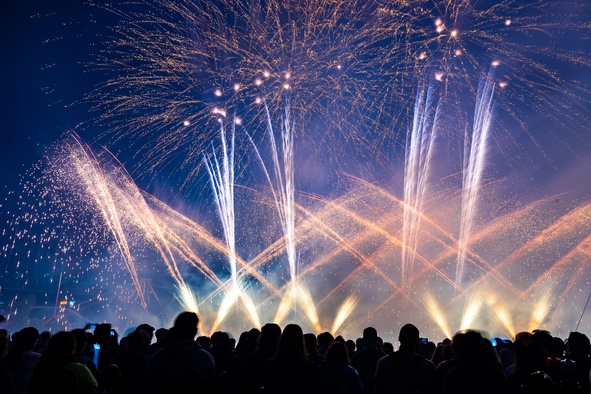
282 183
471 310
437 314
420 143
475 155
505 318
186 298
343 313
542 304
222 183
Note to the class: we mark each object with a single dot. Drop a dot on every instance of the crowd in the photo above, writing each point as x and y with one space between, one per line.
94 360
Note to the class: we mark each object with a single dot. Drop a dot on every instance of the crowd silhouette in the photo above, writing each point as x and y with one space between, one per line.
275 360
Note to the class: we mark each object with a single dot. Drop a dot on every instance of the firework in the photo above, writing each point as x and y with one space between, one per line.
475 151
350 68
222 182
350 201
419 149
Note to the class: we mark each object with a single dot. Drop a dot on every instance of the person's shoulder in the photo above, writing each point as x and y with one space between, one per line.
75 365
203 354
79 369
350 369
31 355
389 360
403 357
427 363
376 352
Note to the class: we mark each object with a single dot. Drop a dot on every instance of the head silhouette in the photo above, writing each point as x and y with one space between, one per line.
220 341
408 337
185 325
291 343
578 345
337 351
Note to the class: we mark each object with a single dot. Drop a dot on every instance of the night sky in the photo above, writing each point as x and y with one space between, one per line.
142 96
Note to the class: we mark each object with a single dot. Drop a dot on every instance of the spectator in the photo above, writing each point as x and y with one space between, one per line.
578 348
58 371
335 374
229 368
351 347
521 369
106 342
366 359
7 384
81 355
289 370
405 370
312 347
247 344
21 359
477 368
42 342
324 340
181 365
388 348
131 364
160 335
148 330
268 341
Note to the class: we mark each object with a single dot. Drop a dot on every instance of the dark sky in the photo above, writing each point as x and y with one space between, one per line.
40 77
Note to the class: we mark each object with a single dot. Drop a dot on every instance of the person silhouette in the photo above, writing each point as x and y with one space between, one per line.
366 359
335 374
290 370
21 359
58 370
181 365
477 368
405 370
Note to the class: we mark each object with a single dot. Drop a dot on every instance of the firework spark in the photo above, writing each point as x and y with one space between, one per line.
475 155
419 149
351 69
